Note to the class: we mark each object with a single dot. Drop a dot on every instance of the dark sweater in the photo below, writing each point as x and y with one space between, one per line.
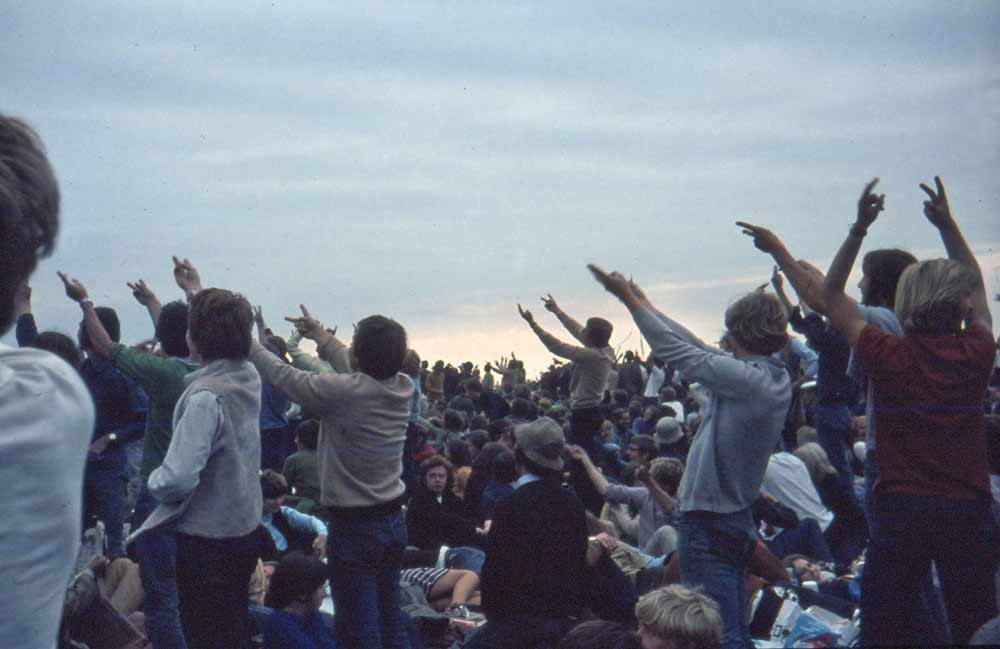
536 554
430 524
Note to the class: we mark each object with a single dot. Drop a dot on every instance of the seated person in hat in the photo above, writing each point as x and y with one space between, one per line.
289 529
296 593
534 581
670 439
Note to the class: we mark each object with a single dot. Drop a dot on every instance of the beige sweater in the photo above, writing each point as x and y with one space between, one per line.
362 426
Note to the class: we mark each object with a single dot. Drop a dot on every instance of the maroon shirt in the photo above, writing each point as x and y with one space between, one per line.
929 393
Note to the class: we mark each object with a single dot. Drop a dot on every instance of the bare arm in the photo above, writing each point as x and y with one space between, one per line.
939 214
100 341
869 205
778 282
147 298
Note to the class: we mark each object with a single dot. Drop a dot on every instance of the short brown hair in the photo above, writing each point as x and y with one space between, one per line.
29 209
758 322
273 484
220 324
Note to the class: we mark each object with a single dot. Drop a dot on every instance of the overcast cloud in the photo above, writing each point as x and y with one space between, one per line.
438 161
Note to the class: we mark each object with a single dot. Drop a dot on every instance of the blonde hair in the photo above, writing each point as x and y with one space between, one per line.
816 460
685 617
758 322
929 296
667 471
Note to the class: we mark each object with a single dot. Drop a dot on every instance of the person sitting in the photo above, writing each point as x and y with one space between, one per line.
535 577
290 530
296 593
678 617
301 469
670 439
434 515
446 589
646 425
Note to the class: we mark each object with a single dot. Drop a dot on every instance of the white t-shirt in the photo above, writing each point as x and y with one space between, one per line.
654 382
46 421
787 479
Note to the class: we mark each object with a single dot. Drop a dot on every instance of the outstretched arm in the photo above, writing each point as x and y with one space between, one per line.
869 205
147 298
778 282
571 325
805 279
100 341
26 330
553 344
187 277
938 213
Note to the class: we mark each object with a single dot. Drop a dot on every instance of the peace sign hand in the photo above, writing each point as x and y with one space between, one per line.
870 204
307 325
141 292
936 209
763 239
550 303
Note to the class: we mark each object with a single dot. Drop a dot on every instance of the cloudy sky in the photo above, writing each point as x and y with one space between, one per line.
439 161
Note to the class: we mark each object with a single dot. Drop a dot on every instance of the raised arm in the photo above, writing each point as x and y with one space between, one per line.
778 282
100 341
187 277
869 205
302 359
802 276
939 214
666 500
553 344
572 326
147 298
26 330
258 318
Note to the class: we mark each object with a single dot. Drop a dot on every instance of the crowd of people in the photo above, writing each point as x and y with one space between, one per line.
233 489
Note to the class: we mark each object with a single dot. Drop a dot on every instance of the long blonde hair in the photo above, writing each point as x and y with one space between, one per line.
816 460
929 296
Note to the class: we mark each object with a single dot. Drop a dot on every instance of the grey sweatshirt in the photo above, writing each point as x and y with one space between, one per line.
363 425
739 428
593 365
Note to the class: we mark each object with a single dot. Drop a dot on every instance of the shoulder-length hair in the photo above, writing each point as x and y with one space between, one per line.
929 296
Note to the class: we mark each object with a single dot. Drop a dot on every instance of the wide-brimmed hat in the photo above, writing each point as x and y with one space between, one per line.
668 431
542 441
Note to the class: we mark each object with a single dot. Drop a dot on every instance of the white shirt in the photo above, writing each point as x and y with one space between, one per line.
46 421
787 479
654 382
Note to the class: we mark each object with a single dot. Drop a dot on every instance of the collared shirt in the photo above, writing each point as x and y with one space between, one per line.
527 478
298 521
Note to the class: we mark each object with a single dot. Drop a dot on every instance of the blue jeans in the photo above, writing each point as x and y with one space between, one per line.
364 558
465 558
713 551
833 427
157 554
104 500
959 536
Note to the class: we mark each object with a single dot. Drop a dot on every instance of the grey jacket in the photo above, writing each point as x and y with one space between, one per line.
208 484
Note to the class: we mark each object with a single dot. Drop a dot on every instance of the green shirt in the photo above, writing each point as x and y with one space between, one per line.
163 380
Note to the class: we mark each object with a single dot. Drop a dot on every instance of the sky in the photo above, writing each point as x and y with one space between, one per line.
437 162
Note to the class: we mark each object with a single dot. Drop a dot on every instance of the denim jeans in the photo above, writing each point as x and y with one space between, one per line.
713 551
133 462
156 552
364 558
833 427
465 558
212 580
104 500
960 537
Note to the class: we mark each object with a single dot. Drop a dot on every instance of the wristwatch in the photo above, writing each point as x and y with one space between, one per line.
113 437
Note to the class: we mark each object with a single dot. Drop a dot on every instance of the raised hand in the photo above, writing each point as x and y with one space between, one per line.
141 292
74 289
307 325
763 239
870 204
642 474
639 293
530 319
258 316
577 452
936 209
186 276
22 299
550 303
777 279
614 283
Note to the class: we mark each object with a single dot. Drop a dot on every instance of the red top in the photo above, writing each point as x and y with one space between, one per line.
929 393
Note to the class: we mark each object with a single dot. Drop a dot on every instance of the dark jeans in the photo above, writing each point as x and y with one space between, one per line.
273 449
364 558
156 552
585 425
520 632
104 500
713 551
833 427
959 536
212 580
